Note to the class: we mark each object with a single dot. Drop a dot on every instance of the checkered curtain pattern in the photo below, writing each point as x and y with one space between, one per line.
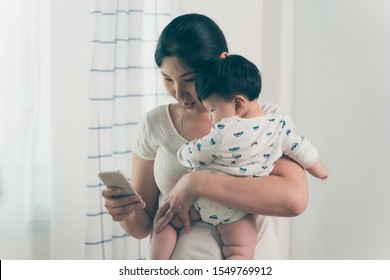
124 84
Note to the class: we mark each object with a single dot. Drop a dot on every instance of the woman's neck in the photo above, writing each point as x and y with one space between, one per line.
190 124
196 124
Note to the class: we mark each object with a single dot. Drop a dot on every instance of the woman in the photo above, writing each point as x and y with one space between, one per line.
186 45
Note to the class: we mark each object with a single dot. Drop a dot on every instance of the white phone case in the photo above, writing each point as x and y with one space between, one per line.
117 179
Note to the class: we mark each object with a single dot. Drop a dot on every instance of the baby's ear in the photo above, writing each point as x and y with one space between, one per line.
239 103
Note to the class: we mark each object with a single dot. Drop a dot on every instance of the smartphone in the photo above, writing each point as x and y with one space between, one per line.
117 179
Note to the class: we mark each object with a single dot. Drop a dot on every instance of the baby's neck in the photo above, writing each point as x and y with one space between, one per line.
252 110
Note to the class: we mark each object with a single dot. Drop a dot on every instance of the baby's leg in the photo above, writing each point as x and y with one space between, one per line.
239 238
163 244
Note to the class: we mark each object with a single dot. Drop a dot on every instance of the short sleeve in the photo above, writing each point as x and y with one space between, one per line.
295 146
146 144
270 108
301 150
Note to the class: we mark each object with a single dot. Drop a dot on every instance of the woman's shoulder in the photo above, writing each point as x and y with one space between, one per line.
275 111
156 116
270 107
158 122
157 112
151 131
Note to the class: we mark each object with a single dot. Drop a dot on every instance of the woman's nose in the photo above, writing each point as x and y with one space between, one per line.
179 91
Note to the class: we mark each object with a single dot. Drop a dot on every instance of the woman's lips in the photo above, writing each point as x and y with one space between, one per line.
189 105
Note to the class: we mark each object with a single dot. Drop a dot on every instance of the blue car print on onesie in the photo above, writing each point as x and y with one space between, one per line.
288 131
221 126
243 170
294 146
256 127
212 141
238 134
199 146
233 149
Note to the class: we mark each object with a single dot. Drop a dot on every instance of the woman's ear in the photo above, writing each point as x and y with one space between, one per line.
239 103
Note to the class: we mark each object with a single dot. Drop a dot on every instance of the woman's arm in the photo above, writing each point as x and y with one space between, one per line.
135 213
283 193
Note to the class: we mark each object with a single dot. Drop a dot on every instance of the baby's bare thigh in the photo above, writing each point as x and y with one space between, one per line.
239 233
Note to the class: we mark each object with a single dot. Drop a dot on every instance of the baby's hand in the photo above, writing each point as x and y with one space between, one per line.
318 170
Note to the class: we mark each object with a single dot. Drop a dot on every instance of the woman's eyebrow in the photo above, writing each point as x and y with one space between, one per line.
181 76
187 74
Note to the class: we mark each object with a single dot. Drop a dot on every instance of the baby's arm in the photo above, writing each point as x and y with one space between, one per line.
303 152
199 152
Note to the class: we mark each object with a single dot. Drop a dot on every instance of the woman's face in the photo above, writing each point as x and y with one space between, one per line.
180 83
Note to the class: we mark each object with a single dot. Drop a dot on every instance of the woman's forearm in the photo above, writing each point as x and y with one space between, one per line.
284 193
138 224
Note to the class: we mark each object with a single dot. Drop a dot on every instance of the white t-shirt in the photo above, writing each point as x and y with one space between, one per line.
159 140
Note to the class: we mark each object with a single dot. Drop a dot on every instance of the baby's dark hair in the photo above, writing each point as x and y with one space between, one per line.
228 77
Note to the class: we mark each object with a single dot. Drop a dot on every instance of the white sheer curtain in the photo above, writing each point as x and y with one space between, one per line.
24 122
124 84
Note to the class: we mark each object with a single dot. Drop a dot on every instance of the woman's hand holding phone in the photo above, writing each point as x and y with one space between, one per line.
120 197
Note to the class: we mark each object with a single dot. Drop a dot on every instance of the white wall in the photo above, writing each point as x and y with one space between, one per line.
239 20
342 98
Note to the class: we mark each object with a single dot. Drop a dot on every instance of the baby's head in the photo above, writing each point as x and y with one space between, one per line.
222 80
228 77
